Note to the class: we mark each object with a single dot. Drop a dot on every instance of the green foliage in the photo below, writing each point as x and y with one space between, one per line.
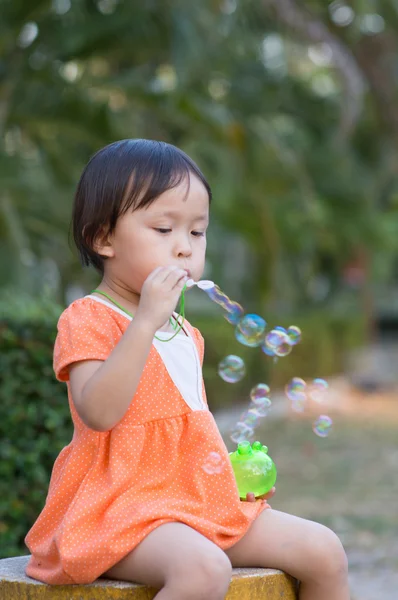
232 84
35 423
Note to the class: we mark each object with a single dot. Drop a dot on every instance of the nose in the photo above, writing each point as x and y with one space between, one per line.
183 246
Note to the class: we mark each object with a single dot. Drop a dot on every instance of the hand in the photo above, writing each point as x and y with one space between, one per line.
159 295
250 497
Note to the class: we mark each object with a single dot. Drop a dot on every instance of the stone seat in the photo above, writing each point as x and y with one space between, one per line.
246 584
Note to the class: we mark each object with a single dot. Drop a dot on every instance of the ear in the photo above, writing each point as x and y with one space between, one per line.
103 244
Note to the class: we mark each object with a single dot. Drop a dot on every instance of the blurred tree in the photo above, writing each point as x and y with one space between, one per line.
286 105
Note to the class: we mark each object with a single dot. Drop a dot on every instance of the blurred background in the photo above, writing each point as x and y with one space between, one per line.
290 109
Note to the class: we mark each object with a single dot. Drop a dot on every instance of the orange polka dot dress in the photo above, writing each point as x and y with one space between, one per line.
108 490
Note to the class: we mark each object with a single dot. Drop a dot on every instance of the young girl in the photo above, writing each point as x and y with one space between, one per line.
129 497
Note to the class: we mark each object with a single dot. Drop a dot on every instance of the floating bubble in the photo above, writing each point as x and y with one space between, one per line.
277 343
318 389
233 309
295 388
322 426
242 433
274 338
213 464
279 328
298 402
234 313
294 334
262 410
251 417
267 351
243 427
232 369
250 330
260 391
285 347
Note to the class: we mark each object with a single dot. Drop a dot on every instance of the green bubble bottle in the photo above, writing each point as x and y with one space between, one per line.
254 470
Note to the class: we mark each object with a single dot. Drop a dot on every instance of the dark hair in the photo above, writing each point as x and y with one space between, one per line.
124 174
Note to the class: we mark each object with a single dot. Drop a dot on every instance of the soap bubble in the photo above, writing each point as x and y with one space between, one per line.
251 417
234 313
268 351
279 328
294 334
274 338
259 392
298 402
284 347
263 409
277 343
242 433
322 426
295 388
318 389
233 309
250 330
232 369
213 464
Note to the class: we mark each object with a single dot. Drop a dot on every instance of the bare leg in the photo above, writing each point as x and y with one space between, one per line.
179 561
308 551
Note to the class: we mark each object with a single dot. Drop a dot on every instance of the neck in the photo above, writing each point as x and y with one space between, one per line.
125 297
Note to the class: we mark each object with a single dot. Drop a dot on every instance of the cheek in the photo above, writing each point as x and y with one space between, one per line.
203 247
201 255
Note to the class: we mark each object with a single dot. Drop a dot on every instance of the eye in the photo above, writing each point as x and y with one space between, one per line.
198 233
160 230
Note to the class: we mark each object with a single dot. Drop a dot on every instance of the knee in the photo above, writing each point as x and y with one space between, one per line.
212 576
329 560
208 577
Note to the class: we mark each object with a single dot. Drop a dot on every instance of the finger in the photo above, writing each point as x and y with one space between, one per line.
250 497
175 277
180 284
167 273
268 494
155 273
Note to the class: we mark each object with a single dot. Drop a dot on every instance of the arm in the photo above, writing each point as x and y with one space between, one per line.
102 390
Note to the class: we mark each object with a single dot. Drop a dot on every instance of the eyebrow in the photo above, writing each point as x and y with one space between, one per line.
174 214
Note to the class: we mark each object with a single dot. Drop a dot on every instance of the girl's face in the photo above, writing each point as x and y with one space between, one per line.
170 231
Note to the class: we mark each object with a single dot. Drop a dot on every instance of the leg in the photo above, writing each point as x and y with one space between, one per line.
180 561
308 551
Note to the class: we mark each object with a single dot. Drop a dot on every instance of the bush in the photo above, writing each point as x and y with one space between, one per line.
35 421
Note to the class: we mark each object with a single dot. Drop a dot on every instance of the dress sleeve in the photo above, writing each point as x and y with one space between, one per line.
86 331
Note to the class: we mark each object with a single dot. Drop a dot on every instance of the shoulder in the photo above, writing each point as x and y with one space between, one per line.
86 317
87 330
85 311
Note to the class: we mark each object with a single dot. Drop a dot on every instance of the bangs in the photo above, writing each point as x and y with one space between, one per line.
143 188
